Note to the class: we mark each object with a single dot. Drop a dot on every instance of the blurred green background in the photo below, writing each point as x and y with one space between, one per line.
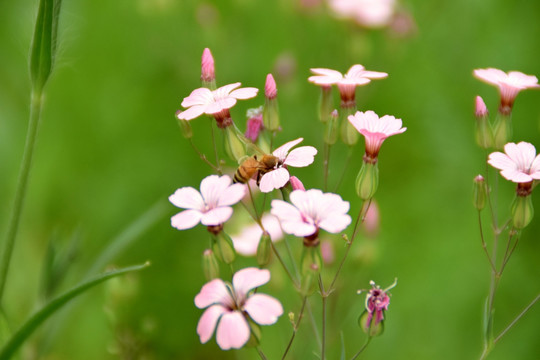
109 148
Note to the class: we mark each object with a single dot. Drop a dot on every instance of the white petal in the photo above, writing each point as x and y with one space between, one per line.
263 309
248 279
232 194
186 219
233 331
187 198
275 179
300 157
217 216
212 187
213 292
208 321
282 151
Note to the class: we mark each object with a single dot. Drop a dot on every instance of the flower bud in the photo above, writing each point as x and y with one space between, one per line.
484 134
185 126
234 144
326 103
309 280
223 247
371 328
480 192
210 265
367 180
522 210
254 124
271 111
296 183
208 76
349 134
331 127
502 130
264 249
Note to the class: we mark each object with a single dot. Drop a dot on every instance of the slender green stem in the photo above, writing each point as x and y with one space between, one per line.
218 162
345 167
261 354
253 203
527 308
324 296
283 265
362 348
313 324
295 327
484 243
36 103
509 251
327 148
203 157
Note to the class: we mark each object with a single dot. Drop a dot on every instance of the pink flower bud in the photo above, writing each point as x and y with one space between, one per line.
254 124
207 67
296 183
480 108
270 89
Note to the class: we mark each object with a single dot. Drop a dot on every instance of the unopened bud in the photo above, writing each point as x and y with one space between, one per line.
254 124
522 207
480 192
331 128
484 134
367 180
185 126
210 265
223 247
296 183
502 130
370 327
208 75
234 143
271 111
326 103
264 249
349 134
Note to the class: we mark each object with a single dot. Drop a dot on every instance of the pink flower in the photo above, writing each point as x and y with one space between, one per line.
377 301
230 306
368 13
279 176
207 67
216 103
509 84
356 76
210 207
310 211
520 163
375 130
247 241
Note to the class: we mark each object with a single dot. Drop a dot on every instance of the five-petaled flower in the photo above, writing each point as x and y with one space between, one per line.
519 163
509 85
216 103
310 211
279 176
230 306
356 76
375 130
211 207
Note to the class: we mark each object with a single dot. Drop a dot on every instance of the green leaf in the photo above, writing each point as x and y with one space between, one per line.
31 324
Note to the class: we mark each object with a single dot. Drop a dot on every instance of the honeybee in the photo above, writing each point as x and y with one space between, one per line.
255 165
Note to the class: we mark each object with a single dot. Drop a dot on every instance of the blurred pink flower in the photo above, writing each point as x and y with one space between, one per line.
356 76
375 130
520 163
211 207
310 211
368 13
299 157
207 67
247 241
509 84
372 220
230 306
254 124
216 103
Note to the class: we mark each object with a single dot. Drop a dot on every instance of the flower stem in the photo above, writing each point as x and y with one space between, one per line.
484 243
203 157
345 167
362 348
261 354
295 284
295 327
36 103
527 308
327 148
218 162
324 296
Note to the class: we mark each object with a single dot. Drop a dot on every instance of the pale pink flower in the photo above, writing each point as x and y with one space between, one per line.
279 176
216 103
520 164
356 76
210 207
310 211
509 85
247 241
207 67
368 13
375 130
230 306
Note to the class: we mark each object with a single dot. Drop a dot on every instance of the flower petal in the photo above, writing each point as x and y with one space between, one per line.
192 112
212 187
232 194
248 279
208 321
300 157
186 219
219 105
187 198
217 216
200 96
263 309
275 179
244 93
282 151
233 331
213 292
